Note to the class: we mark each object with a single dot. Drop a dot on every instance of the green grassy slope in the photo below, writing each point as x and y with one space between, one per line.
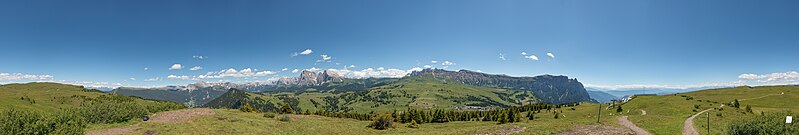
47 96
666 114
236 122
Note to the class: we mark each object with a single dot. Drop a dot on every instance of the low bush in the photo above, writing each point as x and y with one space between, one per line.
269 115
31 123
382 122
767 124
284 118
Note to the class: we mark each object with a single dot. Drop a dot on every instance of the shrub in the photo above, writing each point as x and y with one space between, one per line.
749 109
247 108
269 115
768 124
23 122
618 109
382 122
284 118
413 124
286 108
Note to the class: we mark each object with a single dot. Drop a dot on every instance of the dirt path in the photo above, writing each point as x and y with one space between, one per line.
505 131
176 116
598 130
764 96
688 125
627 123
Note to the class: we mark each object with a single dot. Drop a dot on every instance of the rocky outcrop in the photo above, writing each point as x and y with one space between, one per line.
310 78
549 88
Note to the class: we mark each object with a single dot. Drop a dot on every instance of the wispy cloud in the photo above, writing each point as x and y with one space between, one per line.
502 56
447 63
146 68
20 76
325 58
295 70
372 72
532 57
551 55
790 77
152 79
199 57
195 68
305 52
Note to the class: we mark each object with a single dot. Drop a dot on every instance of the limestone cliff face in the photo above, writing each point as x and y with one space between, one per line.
551 89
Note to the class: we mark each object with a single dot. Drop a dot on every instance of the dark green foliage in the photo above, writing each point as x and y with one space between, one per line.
768 124
749 109
247 108
269 115
618 109
413 124
382 122
286 108
14 122
530 115
736 104
118 108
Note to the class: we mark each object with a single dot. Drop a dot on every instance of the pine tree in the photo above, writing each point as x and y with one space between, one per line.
286 109
530 115
736 104
618 109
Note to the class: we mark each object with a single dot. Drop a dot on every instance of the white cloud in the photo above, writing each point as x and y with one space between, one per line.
199 57
371 72
313 69
295 70
531 57
661 86
551 55
428 66
146 68
306 52
789 77
182 77
284 69
152 79
91 84
176 67
434 61
20 76
502 56
247 72
196 68
134 79
325 58
524 53
447 63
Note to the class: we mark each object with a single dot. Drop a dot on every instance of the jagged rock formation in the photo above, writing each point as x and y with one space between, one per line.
310 78
551 89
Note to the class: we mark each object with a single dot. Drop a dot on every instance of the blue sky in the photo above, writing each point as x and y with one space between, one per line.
613 44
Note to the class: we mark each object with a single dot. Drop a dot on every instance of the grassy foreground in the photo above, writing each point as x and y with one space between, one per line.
227 121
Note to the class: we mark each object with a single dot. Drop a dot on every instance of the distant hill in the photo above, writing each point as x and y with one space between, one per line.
414 92
602 97
190 98
550 89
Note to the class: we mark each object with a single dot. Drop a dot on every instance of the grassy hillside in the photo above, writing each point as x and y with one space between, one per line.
666 114
414 92
43 97
227 121
192 98
51 108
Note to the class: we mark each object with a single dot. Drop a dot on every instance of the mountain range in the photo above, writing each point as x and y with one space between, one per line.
544 88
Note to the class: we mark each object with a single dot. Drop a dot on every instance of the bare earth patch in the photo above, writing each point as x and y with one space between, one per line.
505 131
176 116
627 123
598 130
